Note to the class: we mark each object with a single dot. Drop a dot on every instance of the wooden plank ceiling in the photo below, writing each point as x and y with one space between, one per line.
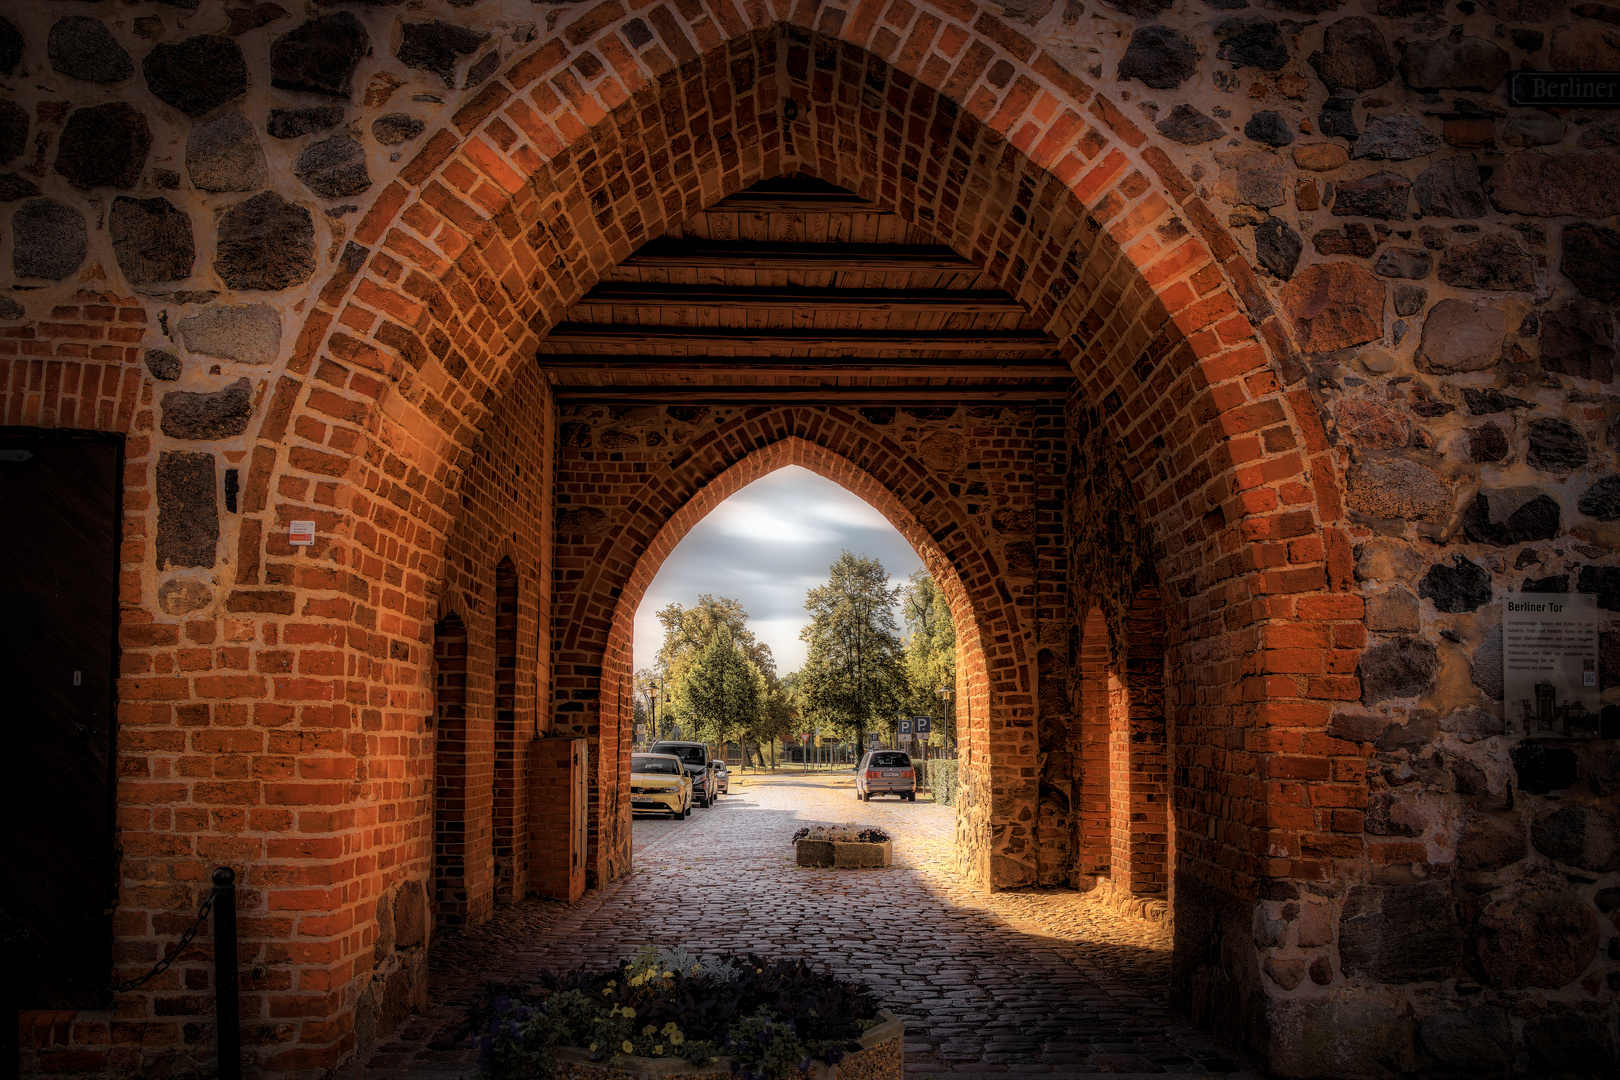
794 290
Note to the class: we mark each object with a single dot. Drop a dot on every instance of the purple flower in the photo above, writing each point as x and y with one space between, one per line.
502 1003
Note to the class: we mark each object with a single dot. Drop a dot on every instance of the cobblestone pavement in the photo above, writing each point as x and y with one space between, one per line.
1035 981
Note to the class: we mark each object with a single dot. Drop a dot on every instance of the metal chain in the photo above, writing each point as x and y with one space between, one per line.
180 947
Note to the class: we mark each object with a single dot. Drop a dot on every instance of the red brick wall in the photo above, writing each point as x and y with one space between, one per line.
497 564
459 843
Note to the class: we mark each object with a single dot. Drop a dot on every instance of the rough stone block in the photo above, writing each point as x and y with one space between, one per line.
1400 933
49 240
246 333
151 239
104 146
222 414
188 510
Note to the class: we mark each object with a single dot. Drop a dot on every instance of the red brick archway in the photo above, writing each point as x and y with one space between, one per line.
663 506
564 165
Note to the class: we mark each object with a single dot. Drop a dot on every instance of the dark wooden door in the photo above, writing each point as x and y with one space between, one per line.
59 526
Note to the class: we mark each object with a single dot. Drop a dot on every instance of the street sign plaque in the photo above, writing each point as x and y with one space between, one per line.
905 727
924 724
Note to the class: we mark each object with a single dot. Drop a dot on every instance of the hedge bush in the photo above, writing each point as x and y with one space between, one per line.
942 780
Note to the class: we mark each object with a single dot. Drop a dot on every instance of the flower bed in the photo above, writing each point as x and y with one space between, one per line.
669 1013
842 847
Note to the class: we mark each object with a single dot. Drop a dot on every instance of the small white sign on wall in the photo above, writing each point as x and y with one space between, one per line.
301 534
1550 665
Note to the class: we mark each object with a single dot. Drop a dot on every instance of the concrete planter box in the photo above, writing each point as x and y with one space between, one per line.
881 1057
842 855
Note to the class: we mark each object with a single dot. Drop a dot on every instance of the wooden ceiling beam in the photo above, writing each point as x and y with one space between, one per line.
556 364
772 202
757 298
728 337
802 395
769 255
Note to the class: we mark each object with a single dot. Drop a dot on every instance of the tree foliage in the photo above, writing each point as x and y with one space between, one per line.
854 677
718 693
930 651
688 630
722 691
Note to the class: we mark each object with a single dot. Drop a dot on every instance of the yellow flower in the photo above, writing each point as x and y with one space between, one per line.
669 974
629 1013
607 991
658 1051
649 1030
628 1046
676 1038
593 1046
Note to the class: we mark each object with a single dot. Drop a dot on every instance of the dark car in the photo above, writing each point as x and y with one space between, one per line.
695 757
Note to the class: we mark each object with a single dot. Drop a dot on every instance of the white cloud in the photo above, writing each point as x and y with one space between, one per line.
767 546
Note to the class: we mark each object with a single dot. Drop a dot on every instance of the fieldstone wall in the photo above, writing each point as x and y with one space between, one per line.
1445 262
1345 317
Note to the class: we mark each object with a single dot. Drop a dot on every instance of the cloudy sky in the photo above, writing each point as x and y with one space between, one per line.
766 546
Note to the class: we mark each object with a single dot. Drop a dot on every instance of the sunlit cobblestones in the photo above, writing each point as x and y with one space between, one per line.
1028 982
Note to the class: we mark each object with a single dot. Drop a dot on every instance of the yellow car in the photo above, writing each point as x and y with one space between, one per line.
659 785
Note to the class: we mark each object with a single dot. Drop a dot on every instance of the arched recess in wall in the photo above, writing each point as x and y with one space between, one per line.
775 439
1120 750
510 214
450 772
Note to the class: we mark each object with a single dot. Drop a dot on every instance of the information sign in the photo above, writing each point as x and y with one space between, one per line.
905 727
1550 665
1567 89
924 724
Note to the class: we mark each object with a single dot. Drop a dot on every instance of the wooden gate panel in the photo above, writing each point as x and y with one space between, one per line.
59 515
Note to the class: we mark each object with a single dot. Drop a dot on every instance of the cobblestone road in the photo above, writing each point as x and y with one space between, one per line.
1039 981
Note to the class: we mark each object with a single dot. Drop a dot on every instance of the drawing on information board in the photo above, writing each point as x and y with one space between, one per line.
1550 666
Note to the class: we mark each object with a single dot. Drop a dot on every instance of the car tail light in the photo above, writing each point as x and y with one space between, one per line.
905 772
873 774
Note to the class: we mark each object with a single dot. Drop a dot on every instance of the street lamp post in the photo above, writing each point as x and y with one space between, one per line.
947 695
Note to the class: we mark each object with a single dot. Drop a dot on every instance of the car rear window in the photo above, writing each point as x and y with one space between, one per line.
650 763
692 755
891 761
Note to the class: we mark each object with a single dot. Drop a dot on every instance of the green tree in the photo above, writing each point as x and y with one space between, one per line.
854 677
722 691
652 701
688 630
778 715
930 651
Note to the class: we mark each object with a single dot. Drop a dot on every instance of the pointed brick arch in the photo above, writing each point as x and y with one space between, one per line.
662 505
543 182
939 111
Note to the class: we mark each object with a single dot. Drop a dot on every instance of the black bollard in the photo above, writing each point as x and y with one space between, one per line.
227 1011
